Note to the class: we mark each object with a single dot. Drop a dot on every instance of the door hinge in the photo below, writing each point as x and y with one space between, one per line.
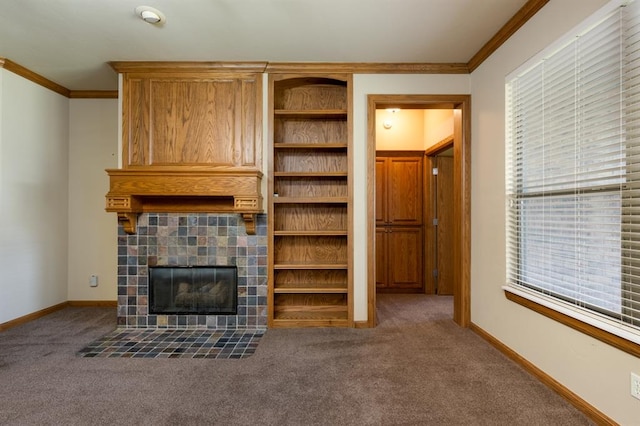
435 273
435 222
434 171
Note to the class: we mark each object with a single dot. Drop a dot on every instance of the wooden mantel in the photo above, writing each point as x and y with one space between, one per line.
137 191
191 140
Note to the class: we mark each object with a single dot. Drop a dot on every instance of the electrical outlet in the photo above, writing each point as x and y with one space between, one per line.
93 280
635 385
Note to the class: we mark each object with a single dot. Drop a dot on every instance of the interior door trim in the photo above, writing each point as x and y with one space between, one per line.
461 105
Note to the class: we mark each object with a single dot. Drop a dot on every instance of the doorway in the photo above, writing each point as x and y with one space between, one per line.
461 193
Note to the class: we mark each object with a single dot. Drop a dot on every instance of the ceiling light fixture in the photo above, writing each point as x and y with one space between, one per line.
388 123
150 15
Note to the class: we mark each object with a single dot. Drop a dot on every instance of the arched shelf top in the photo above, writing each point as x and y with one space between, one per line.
291 83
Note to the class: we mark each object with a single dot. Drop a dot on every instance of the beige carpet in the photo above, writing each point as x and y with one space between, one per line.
416 368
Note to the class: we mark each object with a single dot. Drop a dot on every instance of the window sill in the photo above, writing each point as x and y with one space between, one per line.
609 332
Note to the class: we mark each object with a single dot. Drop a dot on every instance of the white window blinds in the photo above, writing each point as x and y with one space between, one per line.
573 169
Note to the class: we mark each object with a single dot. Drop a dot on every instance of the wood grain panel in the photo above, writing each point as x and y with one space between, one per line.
249 139
367 67
311 278
382 258
310 250
298 130
310 306
444 230
311 300
302 160
135 122
405 257
405 190
305 217
93 94
381 191
311 96
187 67
192 122
311 316
399 264
311 187
187 183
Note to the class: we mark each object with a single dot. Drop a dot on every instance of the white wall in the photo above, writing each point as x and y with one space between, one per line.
93 147
34 138
596 372
412 129
387 84
438 125
406 132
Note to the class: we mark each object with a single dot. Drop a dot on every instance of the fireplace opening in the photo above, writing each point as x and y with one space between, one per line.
193 290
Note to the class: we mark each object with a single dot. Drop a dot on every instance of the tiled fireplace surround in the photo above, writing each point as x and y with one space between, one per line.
190 239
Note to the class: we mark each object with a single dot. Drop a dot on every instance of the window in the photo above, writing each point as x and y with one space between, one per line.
573 174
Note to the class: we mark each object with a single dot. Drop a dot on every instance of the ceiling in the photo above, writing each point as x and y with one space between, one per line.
71 41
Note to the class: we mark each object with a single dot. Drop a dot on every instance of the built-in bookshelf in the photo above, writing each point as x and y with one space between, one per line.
310 250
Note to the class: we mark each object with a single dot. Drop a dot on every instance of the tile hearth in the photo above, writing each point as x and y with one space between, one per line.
156 343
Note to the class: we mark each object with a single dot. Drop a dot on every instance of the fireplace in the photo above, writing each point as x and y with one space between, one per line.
193 290
191 243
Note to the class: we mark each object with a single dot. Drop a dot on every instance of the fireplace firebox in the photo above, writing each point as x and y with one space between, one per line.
196 290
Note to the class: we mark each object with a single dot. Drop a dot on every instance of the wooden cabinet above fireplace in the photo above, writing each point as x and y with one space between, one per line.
191 140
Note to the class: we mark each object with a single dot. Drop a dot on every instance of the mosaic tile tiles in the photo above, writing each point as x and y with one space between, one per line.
194 239
180 343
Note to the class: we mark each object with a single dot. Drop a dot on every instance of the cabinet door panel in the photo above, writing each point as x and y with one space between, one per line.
381 191
181 122
405 191
381 258
405 257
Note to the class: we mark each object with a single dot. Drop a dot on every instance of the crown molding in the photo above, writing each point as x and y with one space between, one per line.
367 67
525 13
186 66
18 69
93 94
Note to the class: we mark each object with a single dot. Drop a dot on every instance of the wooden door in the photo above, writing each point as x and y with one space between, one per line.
399 194
444 230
